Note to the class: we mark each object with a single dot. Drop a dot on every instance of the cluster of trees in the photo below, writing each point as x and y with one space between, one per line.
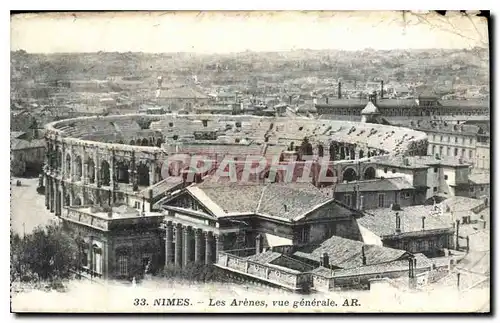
45 255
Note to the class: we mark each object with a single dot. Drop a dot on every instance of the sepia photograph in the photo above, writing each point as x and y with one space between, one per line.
250 162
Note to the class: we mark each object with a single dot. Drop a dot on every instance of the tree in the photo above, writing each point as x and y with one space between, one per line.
47 253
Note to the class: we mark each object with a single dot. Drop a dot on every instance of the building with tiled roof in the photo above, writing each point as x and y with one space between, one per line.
367 194
417 229
431 176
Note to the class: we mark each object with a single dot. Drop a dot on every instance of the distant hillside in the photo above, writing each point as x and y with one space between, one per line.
468 66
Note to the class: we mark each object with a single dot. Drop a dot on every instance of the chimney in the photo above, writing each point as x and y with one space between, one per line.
381 89
423 222
398 223
324 260
363 256
340 91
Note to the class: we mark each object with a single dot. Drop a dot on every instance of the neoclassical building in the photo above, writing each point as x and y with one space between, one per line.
118 162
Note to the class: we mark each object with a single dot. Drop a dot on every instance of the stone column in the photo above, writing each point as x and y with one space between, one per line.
52 197
112 172
187 256
152 173
85 171
58 199
97 170
219 245
71 166
169 246
47 192
198 246
208 248
63 163
178 245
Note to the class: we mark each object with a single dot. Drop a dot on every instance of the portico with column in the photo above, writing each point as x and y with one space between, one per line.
187 244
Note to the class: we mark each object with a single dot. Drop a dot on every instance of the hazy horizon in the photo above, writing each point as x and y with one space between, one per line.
236 32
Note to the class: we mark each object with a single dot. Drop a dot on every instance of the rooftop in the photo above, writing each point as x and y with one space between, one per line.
288 201
416 162
347 253
373 185
382 222
480 178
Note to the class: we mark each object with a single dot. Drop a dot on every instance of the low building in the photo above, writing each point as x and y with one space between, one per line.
115 242
432 177
376 193
416 229
27 156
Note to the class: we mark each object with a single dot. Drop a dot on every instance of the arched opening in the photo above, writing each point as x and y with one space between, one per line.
68 164
122 175
77 201
105 174
120 142
320 150
159 142
361 154
369 173
349 175
132 143
144 142
142 175
91 170
66 200
78 168
151 141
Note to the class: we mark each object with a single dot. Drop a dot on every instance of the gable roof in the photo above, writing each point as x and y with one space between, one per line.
347 253
382 222
288 201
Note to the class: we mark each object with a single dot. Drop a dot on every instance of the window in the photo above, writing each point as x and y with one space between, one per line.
456 151
381 200
445 177
123 264
97 259
471 189
456 140
448 150
470 154
385 170
432 245
441 138
435 169
482 188
347 200
433 151
435 189
393 171
440 150
463 152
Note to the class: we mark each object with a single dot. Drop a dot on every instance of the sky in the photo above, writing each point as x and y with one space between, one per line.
226 32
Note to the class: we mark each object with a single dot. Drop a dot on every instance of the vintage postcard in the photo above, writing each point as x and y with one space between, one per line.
237 162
